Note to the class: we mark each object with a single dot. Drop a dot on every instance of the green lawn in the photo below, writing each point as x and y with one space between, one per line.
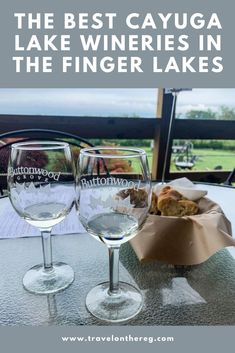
208 159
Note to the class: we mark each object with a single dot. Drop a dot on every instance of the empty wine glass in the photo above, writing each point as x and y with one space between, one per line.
41 186
114 198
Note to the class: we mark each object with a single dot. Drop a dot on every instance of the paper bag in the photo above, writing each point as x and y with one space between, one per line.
186 240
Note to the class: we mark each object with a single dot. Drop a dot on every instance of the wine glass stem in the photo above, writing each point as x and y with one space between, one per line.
46 248
113 269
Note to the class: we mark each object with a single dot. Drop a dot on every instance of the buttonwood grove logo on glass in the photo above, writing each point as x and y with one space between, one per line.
32 174
110 181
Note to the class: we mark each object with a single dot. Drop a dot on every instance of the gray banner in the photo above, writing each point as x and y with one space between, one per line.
8 29
185 339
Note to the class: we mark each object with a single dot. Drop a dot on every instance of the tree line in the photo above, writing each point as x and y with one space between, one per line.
224 113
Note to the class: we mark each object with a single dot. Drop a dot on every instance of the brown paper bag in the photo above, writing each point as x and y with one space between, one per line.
186 240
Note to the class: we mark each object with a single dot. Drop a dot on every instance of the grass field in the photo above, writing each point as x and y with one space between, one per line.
207 159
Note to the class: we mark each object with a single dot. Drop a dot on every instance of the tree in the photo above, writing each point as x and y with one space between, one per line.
201 114
226 113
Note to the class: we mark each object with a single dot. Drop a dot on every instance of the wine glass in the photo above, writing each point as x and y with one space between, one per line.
41 185
114 191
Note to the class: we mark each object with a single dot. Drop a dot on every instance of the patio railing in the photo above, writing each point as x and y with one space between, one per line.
136 128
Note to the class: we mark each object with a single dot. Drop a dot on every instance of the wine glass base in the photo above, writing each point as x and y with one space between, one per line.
37 280
114 308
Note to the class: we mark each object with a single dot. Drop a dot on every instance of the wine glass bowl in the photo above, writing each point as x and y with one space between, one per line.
114 199
43 196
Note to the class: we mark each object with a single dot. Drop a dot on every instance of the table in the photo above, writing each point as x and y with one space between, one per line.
197 295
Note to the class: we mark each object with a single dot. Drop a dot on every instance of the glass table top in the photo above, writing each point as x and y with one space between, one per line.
173 295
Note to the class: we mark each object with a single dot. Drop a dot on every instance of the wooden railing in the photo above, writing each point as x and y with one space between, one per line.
85 126
135 128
